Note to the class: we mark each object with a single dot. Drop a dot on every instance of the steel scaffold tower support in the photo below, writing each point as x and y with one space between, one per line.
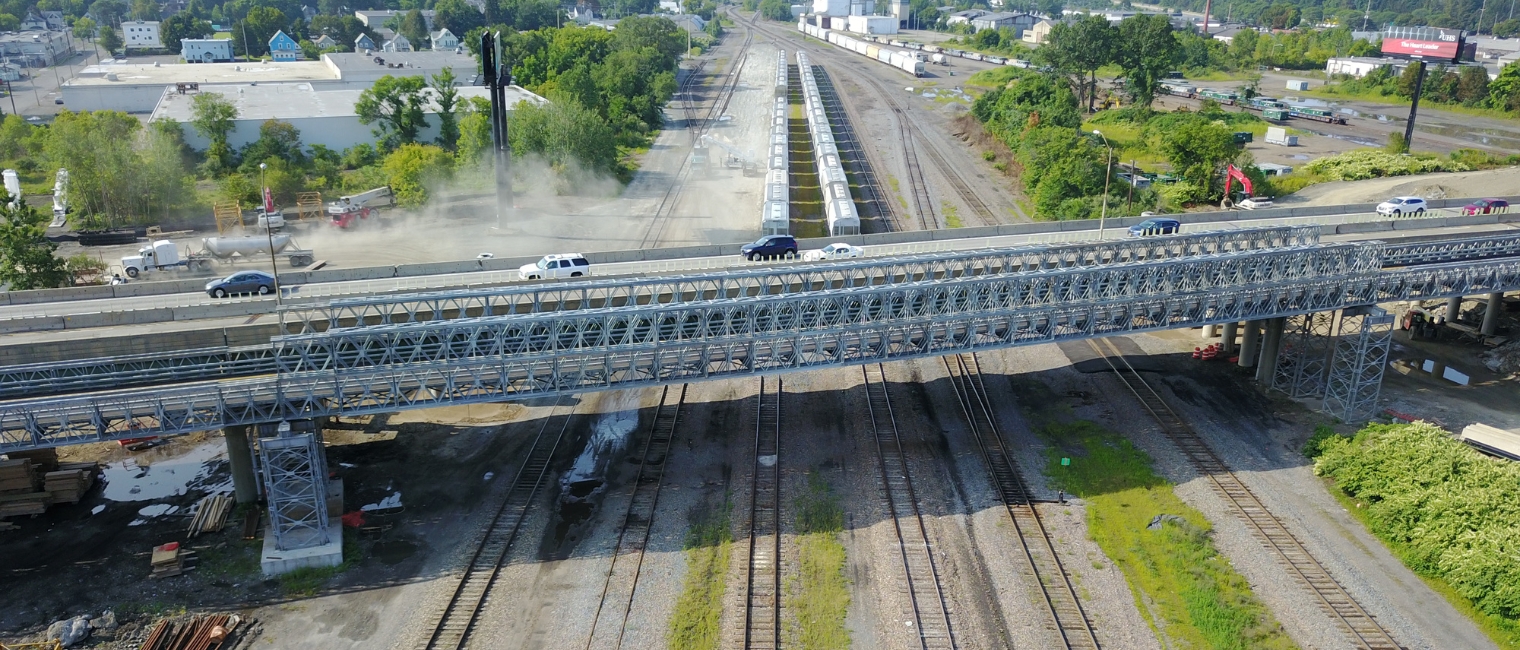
1361 357
1305 356
295 480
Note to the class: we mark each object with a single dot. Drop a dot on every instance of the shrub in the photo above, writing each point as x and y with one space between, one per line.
1373 163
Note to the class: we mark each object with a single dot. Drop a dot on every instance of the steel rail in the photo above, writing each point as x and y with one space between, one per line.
1364 631
762 577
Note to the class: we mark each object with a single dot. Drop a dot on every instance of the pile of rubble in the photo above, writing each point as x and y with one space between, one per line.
1504 359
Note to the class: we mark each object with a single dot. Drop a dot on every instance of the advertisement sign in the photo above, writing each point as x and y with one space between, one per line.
1429 43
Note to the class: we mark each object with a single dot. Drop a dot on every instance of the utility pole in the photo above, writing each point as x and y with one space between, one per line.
498 77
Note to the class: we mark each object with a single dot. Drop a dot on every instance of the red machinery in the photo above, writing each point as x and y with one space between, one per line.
1233 173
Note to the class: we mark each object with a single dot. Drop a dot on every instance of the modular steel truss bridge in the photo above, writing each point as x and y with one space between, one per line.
423 363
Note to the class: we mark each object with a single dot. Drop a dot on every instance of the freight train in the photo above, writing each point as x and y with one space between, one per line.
775 207
905 61
838 207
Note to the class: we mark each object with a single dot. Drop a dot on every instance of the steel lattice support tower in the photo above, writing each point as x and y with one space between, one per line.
1307 344
295 480
1361 355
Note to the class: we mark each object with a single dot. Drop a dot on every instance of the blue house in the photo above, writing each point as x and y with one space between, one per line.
364 43
283 47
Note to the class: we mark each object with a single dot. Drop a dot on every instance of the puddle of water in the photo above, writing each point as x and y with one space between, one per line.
609 435
393 552
392 501
1316 103
147 513
155 474
1432 368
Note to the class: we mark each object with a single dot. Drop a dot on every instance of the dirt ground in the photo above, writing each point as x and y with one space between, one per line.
1492 182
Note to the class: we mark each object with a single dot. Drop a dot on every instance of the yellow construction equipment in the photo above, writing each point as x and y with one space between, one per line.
308 205
229 216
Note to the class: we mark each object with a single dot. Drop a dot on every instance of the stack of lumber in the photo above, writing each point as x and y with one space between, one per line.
170 560
18 489
211 514
70 481
207 632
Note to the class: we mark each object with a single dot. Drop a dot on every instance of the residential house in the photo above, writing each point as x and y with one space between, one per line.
206 50
141 34
961 17
284 48
444 39
364 44
34 49
1039 32
398 44
324 41
10 72
34 22
54 20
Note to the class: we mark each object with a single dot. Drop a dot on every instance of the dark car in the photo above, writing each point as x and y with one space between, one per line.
1486 206
770 246
257 282
1155 227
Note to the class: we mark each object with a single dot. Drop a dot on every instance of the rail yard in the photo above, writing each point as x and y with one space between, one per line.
1013 435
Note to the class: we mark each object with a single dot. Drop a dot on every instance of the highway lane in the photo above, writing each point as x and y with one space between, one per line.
316 292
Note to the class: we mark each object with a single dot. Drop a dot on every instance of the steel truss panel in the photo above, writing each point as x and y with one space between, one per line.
295 479
1305 356
39 379
211 405
1451 250
1361 355
789 279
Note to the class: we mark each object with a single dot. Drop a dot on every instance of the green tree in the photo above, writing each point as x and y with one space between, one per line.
1472 85
564 133
446 96
343 29
396 105
1077 50
1408 79
1504 91
412 168
457 16
1243 46
277 141
108 13
1506 28
414 28
776 10
1149 51
181 26
250 36
1198 148
15 134
26 256
145 10
212 115
104 170
475 136
109 40
84 28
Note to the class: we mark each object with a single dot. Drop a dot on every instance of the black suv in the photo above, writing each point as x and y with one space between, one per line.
770 246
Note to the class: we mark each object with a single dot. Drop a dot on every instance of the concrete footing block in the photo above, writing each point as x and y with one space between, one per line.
275 562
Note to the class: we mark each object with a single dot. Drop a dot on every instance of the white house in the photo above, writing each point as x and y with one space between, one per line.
398 44
206 50
141 34
444 39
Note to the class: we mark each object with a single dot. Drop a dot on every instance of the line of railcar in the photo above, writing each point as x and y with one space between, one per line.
838 206
775 206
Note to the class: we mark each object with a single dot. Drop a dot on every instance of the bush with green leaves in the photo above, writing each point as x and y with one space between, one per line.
1447 510
1375 163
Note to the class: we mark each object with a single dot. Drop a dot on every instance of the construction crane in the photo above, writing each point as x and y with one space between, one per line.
745 160
60 198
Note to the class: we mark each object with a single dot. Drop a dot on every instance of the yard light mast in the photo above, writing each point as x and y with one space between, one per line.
269 235
1108 173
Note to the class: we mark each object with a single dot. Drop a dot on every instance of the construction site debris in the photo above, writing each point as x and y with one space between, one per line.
70 632
1504 359
211 514
28 485
170 560
206 632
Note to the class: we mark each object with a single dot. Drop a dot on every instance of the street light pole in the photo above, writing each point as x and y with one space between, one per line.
269 234
1103 216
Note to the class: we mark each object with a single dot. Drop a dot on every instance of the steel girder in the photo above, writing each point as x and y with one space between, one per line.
1451 250
609 328
39 379
1361 357
1305 355
789 279
210 405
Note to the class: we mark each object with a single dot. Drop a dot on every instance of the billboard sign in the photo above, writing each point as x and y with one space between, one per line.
1428 43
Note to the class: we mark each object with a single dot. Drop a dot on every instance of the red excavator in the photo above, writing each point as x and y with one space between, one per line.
1233 173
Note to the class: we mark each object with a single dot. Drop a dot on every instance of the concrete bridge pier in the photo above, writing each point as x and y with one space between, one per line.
1248 344
245 484
1227 338
1209 331
1453 308
1491 314
1271 343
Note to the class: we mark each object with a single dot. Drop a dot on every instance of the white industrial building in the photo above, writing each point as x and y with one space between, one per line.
871 24
137 87
324 117
1359 66
141 35
844 7
375 19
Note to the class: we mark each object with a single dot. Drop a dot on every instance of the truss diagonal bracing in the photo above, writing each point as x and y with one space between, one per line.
1361 355
295 478
1305 355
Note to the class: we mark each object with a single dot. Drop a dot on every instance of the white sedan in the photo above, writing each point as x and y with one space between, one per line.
836 251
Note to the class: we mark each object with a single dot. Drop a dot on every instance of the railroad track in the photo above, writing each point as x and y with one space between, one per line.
762 578
611 619
926 594
860 161
696 128
1059 599
1363 630
457 621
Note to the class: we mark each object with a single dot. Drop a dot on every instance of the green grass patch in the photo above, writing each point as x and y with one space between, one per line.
307 580
819 594
897 191
709 541
1444 509
952 215
1188 593
995 77
1339 91
1219 75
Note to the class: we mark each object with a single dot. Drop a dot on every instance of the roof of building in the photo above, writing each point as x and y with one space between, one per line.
228 73
283 40
441 34
299 100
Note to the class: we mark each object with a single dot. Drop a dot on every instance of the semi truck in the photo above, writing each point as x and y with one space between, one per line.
163 255
348 210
